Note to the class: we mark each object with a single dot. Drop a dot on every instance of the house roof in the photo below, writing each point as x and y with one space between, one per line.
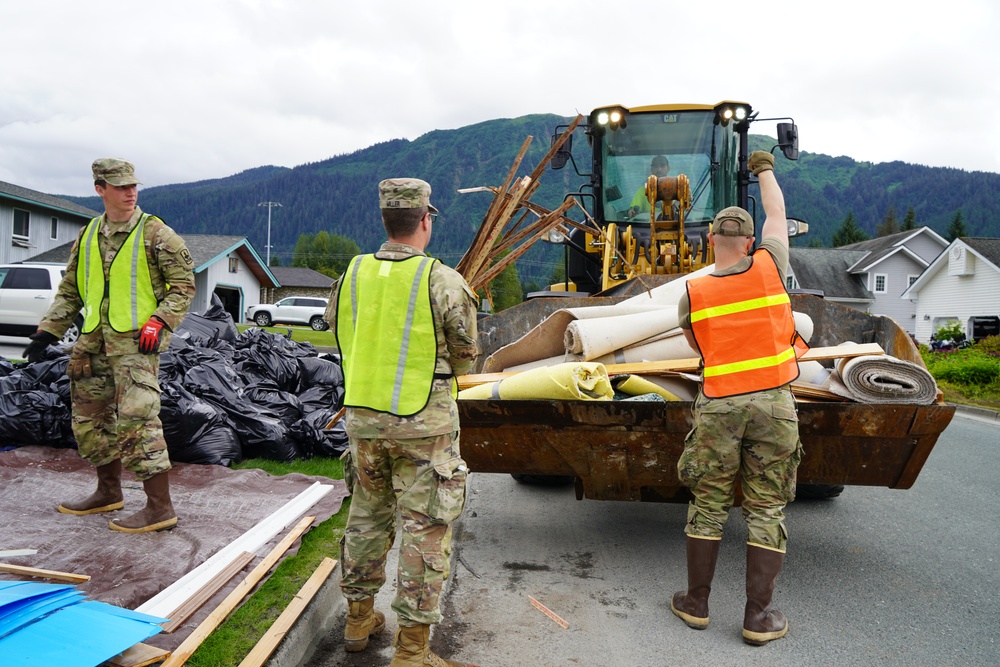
827 269
205 250
17 193
294 276
881 248
987 249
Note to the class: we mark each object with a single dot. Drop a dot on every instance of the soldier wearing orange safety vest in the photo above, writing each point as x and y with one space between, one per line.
740 320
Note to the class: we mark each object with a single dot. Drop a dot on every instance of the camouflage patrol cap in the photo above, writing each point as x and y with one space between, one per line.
114 171
405 193
738 214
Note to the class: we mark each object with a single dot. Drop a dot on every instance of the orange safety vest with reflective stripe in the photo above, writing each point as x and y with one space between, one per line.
744 328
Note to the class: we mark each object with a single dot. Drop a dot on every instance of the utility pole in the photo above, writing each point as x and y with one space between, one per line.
269 205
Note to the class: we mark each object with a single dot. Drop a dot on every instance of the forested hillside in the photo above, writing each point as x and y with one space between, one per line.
339 196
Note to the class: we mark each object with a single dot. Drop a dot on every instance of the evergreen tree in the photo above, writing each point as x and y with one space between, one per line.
889 225
324 252
910 221
815 242
957 227
849 232
506 288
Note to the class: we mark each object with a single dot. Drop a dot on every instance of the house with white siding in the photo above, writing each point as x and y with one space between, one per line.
962 285
32 222
890 265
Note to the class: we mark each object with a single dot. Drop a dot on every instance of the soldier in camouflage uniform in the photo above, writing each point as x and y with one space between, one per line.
406 326
745 421
113 366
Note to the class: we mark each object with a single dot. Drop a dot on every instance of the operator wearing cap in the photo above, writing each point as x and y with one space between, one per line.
405 327
659 167
132 277
745 420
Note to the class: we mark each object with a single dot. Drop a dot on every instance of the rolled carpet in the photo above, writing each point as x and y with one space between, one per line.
883 379
578 380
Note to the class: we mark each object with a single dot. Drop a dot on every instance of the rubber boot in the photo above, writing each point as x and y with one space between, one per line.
158 514
363 621
413 649
107 497
692 606
761 623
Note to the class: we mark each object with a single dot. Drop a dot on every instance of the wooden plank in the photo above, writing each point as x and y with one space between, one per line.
548 612
203 594
219 614
45 574
269 642
336 418
683 365
139 655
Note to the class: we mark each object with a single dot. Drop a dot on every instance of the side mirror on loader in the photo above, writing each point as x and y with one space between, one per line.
564 153
788 140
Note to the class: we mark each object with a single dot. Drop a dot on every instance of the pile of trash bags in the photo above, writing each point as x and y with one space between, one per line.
226 396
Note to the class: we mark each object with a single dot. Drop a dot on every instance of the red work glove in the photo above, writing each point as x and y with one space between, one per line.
149 335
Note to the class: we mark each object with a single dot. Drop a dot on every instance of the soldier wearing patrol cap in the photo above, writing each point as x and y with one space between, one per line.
405 327
745 421
132 278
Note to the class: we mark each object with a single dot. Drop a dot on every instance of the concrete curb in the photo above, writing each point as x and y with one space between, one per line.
319 618
979 414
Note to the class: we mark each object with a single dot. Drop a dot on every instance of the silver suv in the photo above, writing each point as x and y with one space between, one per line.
26 292
291 310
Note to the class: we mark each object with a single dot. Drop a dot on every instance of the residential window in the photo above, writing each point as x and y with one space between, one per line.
791 283
910 279
54 229
22 222
880 283
234 265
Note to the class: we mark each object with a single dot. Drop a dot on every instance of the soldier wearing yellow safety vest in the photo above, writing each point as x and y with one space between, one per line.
745 423
133 279
406 326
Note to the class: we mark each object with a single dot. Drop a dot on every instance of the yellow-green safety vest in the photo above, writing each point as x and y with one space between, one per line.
129 287
385 333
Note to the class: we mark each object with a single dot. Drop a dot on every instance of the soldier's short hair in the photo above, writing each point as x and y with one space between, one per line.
400 222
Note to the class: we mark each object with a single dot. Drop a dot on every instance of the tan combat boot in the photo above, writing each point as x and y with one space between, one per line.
413 650
107 497
691 606
363 621
158 514
761 623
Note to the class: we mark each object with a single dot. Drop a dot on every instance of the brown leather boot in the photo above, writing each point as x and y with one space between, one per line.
761 623
107 497
692 606
413 649
158 514
363 621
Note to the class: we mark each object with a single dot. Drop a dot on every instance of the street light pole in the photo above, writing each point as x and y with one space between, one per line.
269 205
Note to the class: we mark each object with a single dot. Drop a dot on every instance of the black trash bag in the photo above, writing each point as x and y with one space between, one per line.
319 370
6 367
321 397
206 329
195 430
286 406
35 417
262 435
314 439
43 374
266 356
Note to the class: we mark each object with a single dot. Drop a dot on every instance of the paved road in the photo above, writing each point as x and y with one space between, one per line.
875 577
12 347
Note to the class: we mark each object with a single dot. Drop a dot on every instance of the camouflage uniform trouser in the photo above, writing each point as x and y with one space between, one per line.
753 437
116 414
424 480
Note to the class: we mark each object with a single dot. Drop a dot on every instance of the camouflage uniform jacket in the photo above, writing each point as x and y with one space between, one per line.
170 264
453 306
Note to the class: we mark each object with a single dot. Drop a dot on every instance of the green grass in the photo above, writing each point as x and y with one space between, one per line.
968 377
301 334
236 637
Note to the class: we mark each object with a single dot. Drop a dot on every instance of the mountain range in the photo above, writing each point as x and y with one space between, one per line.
338 195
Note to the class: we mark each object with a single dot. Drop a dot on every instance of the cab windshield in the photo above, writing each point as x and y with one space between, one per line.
689 142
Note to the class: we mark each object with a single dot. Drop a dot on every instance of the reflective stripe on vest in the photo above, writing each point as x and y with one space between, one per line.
385 334
130 289
744 328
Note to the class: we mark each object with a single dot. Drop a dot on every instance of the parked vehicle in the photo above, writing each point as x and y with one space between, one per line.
26 292
291 310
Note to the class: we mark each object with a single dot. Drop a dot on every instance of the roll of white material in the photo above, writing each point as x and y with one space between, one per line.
593 338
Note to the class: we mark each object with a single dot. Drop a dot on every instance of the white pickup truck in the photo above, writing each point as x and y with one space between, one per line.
26 292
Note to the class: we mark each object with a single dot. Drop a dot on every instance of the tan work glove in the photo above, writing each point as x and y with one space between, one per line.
78 367
760 161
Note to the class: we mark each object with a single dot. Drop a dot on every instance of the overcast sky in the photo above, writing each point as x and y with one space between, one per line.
195 90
